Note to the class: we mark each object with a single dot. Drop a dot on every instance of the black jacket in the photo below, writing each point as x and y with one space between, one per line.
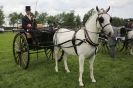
26 21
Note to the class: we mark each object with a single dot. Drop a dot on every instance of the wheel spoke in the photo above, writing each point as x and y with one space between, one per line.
24 59
17 58
49 53
21 50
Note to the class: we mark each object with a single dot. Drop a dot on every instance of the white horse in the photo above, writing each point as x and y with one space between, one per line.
83 42
130 37
130 34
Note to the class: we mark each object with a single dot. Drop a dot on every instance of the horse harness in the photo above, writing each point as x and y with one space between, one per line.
74 39
86 40
87 37
73 42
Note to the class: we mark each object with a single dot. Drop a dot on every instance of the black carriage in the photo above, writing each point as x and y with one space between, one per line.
22 47
123 42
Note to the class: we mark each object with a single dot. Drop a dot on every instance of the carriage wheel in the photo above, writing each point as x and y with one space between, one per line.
48 53
21 50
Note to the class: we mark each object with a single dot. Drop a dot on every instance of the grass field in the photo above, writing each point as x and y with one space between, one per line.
109 73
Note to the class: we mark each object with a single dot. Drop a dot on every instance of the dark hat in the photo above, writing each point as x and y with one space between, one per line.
27 8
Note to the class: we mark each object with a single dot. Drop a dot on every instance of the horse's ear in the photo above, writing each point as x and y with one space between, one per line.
97 8
108 9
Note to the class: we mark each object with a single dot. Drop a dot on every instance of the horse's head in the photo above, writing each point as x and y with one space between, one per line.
104 20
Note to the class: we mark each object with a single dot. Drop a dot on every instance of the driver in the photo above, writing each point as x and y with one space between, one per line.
27 23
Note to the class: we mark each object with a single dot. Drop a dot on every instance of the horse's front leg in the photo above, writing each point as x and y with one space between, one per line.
81 69
65 63
56 58
91 61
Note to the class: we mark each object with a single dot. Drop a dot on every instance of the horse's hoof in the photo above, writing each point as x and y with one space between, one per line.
81 85
56 70
68 71
94 81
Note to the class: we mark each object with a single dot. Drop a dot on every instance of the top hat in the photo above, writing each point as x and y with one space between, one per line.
27 8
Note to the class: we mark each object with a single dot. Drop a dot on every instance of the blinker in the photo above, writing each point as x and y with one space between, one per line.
101 19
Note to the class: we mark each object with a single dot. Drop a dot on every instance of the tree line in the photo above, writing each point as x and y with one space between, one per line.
63 19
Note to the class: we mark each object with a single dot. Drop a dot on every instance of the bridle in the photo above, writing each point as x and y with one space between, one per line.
87 37
97 20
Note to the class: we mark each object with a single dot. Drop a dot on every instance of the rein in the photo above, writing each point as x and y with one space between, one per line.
87 39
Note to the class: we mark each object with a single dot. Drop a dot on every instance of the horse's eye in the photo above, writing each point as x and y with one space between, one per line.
101 20
110 19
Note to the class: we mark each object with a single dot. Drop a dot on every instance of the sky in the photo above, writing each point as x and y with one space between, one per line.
119 8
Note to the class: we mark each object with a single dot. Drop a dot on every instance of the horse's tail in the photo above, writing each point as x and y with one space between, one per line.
61 57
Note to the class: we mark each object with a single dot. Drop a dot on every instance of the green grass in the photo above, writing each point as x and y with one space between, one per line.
109 73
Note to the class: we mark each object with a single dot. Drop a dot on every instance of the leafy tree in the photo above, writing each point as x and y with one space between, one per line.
69 20
20 16
42 18
60 18
78 21
116 21
52 20
36 14
1 16
13 18
88 15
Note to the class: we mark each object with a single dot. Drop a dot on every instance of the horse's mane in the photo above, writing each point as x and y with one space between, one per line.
91 17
